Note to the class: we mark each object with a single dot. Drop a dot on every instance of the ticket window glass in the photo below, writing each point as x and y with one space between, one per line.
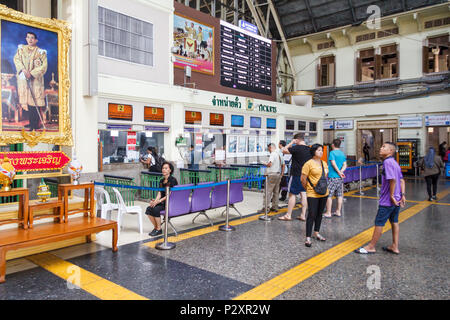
114 146
150 139
121 147
204 146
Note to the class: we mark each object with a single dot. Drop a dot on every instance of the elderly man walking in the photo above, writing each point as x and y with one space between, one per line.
274 171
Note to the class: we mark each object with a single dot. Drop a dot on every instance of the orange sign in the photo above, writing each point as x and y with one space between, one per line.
193 117
216 119
153 114
34 161
120 111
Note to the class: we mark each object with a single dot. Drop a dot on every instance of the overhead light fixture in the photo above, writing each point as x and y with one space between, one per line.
430 130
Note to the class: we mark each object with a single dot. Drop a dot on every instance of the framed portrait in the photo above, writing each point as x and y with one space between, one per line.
194 44
35 79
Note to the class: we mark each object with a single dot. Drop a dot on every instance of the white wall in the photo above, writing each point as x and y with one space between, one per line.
159 13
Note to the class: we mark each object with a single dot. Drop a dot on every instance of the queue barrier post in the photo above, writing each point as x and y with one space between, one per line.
227 226
360 181
265 217
166 245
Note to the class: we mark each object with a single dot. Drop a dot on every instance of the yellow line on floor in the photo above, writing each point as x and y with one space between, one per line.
206 230
87 281
280 284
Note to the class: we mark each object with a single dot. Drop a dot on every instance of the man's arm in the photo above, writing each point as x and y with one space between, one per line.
285 150
392 184
304 181
403 199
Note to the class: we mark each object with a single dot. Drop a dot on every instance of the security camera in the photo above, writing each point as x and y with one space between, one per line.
325 115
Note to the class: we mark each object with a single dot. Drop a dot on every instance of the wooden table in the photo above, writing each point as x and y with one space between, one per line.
22 215
13 239
56 205
89 204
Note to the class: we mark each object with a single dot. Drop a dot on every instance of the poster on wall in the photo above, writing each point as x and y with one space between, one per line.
242 144
232 144
193 44
35 84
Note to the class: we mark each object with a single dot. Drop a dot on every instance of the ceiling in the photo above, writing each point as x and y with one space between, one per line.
302 17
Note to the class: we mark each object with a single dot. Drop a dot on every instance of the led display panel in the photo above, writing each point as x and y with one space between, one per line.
245 60
255 122
271 123
237 121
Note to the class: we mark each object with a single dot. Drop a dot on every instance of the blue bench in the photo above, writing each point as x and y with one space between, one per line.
198 200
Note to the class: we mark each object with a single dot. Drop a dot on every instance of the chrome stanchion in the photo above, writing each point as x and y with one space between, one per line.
227 226
265 217
166 245
361 193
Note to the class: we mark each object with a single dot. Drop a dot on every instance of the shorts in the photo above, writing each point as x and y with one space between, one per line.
295 185
385 213
335 187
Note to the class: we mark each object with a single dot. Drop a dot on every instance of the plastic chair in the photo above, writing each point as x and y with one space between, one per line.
107 205
124 209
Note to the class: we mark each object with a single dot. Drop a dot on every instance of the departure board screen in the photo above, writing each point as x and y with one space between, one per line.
245 60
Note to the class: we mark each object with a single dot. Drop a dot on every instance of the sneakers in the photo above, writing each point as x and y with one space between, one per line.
155 233
434 197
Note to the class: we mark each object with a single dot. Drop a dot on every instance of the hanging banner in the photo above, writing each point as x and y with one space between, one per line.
37 160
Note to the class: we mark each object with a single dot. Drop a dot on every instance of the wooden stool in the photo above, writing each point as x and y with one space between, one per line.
22 215
56 205
89 204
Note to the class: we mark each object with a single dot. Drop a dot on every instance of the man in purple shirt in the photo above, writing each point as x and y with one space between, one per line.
392 197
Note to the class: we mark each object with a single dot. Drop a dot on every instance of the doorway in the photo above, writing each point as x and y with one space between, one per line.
375 133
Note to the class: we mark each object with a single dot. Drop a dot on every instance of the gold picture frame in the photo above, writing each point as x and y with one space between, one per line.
60 132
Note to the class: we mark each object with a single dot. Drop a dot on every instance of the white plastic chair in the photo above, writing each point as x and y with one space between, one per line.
107 205
124 209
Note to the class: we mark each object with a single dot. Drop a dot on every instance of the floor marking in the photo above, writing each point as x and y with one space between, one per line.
280 284
206 230
88 281
412 201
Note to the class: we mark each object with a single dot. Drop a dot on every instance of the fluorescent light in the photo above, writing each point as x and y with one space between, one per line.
148 134
114 133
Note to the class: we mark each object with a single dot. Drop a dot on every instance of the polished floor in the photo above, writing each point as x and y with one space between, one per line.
259 260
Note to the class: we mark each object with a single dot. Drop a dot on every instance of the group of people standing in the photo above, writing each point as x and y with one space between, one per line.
311 177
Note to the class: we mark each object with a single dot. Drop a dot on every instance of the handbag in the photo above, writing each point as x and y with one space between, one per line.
322 185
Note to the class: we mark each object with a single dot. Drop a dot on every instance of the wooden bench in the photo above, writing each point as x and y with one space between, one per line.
13 239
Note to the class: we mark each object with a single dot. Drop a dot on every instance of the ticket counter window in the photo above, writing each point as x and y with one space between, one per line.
150 139
127 147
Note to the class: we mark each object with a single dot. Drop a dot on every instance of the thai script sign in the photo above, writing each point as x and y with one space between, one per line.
410 122
437 120
35 161
250 105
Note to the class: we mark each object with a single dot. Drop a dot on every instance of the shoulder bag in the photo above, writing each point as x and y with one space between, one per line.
322 185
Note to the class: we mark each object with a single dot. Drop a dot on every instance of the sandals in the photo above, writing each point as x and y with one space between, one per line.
308 242
363 251
319 237
300 218
336 215
390 250
284 218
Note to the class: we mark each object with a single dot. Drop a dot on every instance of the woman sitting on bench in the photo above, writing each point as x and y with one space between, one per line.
159 204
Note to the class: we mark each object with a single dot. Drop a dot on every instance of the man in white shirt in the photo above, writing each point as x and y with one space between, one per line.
274 172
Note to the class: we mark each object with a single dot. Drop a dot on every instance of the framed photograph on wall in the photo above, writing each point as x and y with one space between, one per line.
35 79
193 43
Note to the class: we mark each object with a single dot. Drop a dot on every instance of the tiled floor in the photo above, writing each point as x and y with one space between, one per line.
217 265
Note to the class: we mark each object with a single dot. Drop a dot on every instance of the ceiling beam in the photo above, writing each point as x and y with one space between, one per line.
283 38
311 15
350 4
255 15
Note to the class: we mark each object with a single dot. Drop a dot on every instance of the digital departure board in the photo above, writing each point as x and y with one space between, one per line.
245 60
